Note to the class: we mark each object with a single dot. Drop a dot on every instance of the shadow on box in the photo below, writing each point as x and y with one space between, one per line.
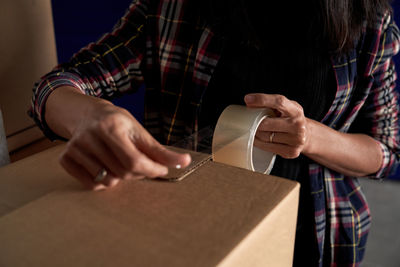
78 23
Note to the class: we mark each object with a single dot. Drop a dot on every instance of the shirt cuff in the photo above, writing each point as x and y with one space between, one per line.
45 87
387 162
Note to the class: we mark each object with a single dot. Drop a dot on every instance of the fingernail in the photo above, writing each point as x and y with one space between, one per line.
249 98
113 182
178 166
99 187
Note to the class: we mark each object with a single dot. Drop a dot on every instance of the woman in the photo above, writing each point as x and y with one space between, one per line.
329 77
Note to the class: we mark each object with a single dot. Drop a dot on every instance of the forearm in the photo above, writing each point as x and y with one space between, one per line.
66 107
350 154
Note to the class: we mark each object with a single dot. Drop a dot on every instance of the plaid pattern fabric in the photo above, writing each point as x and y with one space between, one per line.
164 46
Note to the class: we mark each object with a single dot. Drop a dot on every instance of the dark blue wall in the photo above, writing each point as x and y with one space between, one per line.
78 23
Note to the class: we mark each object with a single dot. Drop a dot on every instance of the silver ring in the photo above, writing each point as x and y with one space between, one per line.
101 175
271 137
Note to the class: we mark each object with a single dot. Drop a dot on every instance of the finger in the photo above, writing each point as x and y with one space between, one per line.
113 182
296 126
278 102
132 159
276 125
97 148
162 155
281 138
283 150
81 174
89 162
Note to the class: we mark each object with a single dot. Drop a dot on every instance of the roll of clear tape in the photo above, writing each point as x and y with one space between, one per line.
233 139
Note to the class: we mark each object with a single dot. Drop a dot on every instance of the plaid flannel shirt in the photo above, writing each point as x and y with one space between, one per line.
164 46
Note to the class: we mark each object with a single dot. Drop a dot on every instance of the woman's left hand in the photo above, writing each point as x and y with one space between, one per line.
287 134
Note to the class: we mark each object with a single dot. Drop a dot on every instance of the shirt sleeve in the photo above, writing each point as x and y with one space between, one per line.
110 66
382 106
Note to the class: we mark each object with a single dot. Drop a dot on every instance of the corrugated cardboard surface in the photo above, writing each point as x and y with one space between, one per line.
217 215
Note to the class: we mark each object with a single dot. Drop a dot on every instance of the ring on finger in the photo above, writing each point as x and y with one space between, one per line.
271 137
101 175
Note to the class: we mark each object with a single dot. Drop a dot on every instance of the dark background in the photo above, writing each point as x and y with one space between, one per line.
78 23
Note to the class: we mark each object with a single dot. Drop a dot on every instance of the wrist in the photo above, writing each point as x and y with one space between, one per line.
90 109
67 108
92 106
309 146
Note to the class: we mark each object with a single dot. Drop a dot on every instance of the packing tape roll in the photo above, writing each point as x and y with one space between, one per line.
234 135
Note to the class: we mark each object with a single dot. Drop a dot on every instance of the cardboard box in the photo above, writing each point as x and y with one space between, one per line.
27 52
218 215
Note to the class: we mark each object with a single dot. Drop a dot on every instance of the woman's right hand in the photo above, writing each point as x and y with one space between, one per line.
109 137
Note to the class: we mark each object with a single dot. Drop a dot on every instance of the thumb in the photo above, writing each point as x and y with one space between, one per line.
170 158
